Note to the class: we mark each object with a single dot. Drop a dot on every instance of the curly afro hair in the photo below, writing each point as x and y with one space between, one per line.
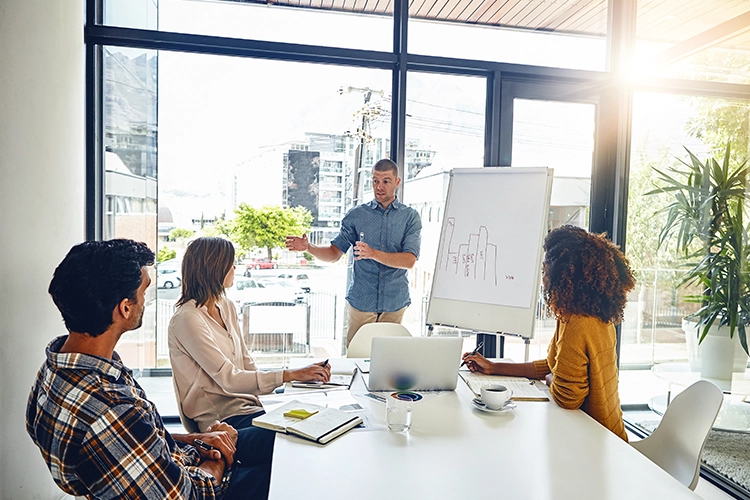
585 274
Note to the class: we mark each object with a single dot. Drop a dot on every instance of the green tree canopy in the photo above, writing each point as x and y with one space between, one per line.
165 254
269 226
180 233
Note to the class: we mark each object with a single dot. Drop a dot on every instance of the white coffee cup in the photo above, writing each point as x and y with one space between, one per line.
495 396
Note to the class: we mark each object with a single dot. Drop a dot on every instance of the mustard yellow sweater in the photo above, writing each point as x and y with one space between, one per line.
583 361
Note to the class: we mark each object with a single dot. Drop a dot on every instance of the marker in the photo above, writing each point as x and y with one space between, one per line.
476 350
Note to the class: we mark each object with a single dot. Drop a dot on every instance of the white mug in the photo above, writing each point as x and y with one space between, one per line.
495 396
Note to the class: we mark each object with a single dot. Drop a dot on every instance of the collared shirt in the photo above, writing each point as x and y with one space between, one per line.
376 287
102 438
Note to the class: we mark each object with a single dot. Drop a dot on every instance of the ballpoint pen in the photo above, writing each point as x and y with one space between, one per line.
207 447
476 350
324 363
203 445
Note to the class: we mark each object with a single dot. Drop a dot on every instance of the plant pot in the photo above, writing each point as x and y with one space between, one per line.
718 356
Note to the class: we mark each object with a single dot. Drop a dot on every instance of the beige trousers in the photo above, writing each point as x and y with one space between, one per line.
357 318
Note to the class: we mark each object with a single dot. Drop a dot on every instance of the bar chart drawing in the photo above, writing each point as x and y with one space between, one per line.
474 259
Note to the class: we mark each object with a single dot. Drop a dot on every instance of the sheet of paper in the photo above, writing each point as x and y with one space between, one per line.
523 388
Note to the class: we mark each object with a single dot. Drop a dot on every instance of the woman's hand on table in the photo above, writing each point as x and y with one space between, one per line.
313 373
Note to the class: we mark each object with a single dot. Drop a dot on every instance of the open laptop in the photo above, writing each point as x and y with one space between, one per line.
414 363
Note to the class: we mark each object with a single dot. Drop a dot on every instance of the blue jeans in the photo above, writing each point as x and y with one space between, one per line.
251 478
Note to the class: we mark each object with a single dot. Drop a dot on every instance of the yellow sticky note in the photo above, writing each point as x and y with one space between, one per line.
300 414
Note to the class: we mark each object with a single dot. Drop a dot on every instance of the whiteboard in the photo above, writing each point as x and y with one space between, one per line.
488 266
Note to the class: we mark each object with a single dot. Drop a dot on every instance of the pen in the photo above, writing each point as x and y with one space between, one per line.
203 445
476 350
207 447
375 397
324 363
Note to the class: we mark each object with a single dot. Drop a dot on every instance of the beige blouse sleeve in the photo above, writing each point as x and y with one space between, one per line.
198 338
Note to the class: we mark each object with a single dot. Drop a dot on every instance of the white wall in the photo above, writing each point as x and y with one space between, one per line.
41 208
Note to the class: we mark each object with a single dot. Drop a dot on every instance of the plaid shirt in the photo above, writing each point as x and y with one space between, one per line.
376 287
102 438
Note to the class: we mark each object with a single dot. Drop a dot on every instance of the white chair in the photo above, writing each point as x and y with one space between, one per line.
677 444
361 344
188 423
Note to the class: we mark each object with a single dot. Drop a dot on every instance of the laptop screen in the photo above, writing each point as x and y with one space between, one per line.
415 363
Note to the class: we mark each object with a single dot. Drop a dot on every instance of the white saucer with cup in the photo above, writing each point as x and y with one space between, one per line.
495 396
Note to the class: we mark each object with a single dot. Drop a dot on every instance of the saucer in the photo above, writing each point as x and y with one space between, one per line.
479 405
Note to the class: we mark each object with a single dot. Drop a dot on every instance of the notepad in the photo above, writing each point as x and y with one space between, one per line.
337 380
322 427
523 388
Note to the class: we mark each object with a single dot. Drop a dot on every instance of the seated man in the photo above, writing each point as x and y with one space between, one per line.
98 433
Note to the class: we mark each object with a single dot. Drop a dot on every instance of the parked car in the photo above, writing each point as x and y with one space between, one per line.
259 263
252 291
168 278
300 293
301 279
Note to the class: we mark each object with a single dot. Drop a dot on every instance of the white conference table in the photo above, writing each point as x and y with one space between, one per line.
537 451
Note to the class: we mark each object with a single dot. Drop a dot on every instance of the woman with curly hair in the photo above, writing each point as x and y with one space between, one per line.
586 281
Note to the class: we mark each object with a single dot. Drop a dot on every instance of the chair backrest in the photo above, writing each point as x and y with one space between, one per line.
677 443
361 343
188 423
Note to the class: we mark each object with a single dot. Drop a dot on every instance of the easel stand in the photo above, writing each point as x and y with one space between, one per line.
494 342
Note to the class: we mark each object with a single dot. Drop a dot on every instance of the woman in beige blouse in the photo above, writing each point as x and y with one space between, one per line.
215 377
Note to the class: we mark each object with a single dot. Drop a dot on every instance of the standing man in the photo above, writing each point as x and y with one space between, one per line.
386 236
98 434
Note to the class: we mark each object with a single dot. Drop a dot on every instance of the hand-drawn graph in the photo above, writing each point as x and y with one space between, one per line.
476 259
490 245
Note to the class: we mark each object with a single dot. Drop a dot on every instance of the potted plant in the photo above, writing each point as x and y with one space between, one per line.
706 220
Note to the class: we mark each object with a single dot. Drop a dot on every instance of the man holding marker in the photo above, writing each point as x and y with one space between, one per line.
386 236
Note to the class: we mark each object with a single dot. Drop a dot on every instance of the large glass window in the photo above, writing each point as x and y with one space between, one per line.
444 130
556 34
237 133
130 171
368 27
694 40
664 126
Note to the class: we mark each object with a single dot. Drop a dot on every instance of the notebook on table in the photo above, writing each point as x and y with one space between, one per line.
322 426
414 363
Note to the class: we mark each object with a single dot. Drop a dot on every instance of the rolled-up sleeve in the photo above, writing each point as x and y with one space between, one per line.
413 235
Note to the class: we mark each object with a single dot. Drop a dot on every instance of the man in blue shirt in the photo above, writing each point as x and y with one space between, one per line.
386 236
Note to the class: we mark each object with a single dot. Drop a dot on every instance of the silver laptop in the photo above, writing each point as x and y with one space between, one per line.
414 363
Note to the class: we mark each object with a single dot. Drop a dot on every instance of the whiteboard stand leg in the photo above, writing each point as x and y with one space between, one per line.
494 345
527 345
